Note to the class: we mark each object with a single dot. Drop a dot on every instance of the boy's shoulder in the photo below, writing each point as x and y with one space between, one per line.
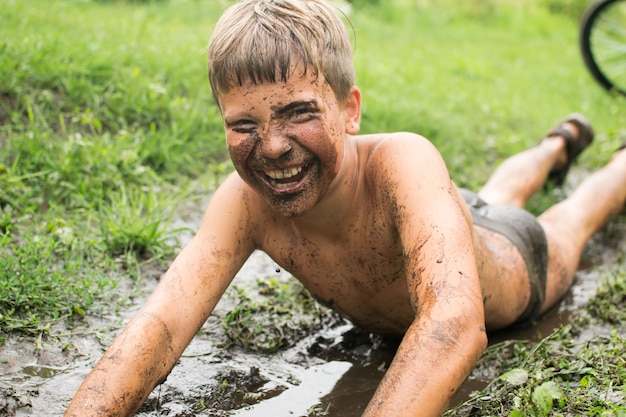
401 163
386 150
392 142
237 202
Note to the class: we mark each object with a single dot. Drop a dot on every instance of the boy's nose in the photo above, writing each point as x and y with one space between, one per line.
274 144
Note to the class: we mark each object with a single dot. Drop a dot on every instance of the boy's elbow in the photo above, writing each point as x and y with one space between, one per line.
475 337
480 342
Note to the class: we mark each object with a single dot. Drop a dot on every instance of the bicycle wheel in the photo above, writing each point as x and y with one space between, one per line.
603 43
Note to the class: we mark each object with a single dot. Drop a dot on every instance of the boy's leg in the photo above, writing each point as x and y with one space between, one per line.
571 223
521 175
505 272
513 183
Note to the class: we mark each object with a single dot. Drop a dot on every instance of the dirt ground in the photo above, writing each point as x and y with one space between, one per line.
337 367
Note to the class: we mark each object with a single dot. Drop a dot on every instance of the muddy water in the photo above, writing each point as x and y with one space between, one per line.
337 366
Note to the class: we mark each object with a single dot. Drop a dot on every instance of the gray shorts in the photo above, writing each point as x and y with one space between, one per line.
525 232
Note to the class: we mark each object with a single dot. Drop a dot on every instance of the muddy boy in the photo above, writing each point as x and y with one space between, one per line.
372 225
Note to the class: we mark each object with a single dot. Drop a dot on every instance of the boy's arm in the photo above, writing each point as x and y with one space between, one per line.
447 335
145 352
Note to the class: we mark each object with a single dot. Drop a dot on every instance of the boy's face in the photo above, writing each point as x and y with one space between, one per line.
286 139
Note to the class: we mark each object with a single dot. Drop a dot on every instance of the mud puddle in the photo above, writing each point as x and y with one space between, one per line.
333 371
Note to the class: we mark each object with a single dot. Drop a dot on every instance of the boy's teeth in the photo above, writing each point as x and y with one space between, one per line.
279 174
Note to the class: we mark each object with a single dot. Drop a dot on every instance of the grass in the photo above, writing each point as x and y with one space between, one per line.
42 282
481 81
107 127
274 316
555 377
567 373
106 124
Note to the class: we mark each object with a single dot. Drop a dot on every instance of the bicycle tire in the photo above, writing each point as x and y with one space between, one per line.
602 41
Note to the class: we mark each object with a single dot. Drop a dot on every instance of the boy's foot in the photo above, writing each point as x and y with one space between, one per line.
575 143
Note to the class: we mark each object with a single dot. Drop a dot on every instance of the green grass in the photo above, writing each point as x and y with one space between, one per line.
568 373
274 317
555 377
481 81
107 125
42 282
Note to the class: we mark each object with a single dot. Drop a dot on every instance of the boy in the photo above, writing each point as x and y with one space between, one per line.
371 225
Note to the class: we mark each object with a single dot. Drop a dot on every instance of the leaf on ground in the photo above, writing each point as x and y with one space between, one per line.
515 376
544 395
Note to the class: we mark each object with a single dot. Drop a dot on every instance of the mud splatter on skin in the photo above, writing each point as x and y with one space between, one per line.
156 373
447 332
329 267
417 257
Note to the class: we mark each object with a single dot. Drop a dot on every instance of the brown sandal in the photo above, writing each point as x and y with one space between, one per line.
574 146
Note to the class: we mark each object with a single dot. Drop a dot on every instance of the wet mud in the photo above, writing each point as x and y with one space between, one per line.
331 371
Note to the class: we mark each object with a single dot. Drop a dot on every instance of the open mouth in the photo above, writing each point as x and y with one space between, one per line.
285 180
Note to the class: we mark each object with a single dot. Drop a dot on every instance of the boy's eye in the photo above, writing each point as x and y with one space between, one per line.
301 114
243 126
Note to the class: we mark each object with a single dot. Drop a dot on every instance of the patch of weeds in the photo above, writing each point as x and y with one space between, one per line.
6 219
557 376
67 78
275 318
609 303
134 221
9 189
317 411
564 374
42 281
235 389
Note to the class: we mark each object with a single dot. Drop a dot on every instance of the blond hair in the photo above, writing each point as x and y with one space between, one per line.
263 41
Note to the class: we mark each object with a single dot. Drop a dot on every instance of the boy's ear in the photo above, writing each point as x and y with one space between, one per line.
352 111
